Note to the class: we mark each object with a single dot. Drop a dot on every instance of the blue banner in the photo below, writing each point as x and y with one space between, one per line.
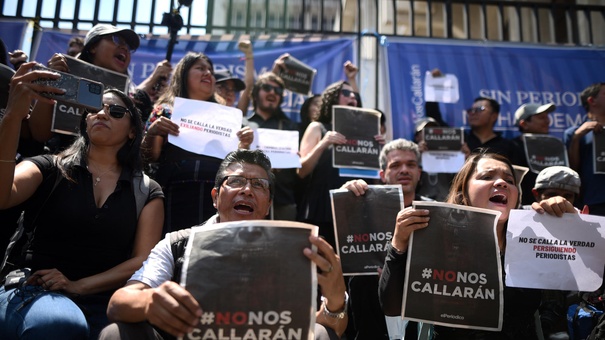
510 73
326 55
12 33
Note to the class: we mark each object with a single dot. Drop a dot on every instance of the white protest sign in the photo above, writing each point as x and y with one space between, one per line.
549 252
442 161
443 89
281 146
206 128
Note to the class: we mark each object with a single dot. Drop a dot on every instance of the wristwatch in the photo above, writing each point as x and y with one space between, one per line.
335 315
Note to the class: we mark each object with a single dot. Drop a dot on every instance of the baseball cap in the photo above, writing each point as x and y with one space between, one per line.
223 76
558 177
100 30
527 110
423 122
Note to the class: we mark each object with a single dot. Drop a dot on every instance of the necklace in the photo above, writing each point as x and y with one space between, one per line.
98 177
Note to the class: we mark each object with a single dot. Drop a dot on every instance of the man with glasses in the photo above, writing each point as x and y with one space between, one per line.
482 118
243 191
267 96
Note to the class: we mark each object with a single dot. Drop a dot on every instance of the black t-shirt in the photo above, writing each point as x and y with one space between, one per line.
72 234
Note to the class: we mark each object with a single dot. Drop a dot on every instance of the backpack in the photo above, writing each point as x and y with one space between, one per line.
582 318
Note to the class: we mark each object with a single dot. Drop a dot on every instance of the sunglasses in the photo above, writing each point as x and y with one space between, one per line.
476 109
348 93
114 110
118 41
268 88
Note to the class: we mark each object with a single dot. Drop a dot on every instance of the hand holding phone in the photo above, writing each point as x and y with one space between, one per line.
78 90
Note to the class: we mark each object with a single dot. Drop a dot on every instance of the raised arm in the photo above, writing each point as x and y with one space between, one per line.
244 99
18 183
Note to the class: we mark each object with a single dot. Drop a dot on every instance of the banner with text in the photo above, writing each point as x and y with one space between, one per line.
326 54
512 74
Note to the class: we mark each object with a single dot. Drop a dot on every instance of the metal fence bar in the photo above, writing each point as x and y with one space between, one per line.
569 32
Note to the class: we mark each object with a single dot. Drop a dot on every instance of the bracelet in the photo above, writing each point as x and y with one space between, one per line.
336 315
8 161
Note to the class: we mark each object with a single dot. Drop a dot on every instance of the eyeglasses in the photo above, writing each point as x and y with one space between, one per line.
118 41
268 87
114 110
347 93
476 109
238 182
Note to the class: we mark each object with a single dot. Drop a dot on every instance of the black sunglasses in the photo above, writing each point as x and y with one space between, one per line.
347 93
114 110
268 87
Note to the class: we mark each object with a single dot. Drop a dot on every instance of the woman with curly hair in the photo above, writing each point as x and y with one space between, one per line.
316 159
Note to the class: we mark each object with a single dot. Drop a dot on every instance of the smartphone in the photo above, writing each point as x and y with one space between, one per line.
80 91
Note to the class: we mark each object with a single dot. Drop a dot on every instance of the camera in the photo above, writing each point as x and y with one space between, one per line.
80 91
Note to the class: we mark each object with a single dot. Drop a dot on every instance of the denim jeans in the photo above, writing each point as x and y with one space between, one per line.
30 312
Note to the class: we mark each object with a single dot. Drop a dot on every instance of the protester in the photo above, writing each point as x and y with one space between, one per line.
316 160
482 117
227 86
267 96
530 118
399 165
486 180
579 141
186 177
551 182
309 112
153 296
109 47
83 233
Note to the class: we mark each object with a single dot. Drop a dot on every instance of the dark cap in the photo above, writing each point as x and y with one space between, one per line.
100 30
423 122
224 76
527 110
558 177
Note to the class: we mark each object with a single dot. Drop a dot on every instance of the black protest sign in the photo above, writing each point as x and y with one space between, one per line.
359 126
251 280
598 148
543 151
109 78
297 76
443 138
66 118
364 226
453 274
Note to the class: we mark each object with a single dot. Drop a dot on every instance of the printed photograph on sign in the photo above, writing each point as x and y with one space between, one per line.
453 271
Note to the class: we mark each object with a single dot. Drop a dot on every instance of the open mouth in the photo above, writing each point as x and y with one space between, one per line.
121 57
243 207
499 198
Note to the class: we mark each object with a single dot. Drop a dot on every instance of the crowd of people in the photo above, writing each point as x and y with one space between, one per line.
102 212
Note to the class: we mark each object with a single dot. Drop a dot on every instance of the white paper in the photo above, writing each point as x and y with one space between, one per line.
281 146
549 252
205 128
442 161
442 89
